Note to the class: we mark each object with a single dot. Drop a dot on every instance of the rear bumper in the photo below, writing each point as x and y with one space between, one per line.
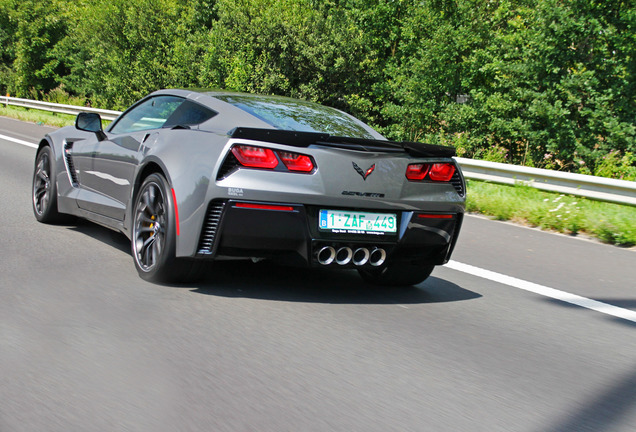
289 233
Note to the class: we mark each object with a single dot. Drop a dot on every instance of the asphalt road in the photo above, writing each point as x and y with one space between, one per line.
86 345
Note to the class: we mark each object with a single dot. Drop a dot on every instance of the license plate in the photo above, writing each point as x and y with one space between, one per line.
352 222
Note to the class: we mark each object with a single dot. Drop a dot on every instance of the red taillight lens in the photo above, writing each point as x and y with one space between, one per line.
417 171
437 172
296 162
255 157
442 172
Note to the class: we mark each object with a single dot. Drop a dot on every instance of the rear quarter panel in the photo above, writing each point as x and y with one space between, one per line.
189 159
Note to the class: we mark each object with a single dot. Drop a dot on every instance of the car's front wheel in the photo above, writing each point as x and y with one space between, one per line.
44 191
153 241
397 274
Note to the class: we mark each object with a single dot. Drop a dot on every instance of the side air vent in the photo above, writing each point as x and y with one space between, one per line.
458 183
210 226
70 166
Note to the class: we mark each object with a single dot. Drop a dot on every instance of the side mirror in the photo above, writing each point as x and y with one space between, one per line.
90 122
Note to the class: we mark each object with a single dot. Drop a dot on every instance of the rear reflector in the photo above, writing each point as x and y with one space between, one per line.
255 157
176 210
264 206
434 216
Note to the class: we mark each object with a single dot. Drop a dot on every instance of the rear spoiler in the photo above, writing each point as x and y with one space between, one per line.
305 139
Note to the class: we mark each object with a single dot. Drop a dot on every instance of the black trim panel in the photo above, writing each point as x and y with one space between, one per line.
305 139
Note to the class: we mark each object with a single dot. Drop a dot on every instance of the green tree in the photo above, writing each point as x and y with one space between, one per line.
120 50
8 30
283 47
30 30
554 87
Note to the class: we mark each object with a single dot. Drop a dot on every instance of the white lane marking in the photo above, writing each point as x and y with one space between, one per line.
585 302
18 141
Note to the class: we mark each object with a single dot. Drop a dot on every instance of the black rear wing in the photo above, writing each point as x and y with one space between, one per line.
305 139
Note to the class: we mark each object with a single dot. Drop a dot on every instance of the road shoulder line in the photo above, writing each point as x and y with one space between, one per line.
585 302
18 141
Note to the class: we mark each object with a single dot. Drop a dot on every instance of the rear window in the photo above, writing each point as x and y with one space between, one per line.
296 115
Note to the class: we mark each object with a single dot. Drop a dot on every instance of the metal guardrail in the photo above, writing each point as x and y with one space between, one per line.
58 108
597 188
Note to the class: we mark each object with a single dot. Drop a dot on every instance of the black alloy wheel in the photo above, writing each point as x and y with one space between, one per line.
150 226
153 241
44 191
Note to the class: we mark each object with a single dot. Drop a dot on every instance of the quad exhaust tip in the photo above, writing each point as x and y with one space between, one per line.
344 255
326 255
361 256
377 257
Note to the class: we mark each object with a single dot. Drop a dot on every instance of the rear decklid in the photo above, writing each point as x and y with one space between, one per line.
347 169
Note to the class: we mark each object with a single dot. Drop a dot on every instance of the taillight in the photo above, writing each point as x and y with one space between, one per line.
437 172
442 172
415 172
255 157
261 157
296 162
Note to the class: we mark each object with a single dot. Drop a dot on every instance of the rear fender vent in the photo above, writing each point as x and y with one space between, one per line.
458 183
210 227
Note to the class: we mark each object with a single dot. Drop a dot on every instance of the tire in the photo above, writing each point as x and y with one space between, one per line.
153 242
397 274
44 189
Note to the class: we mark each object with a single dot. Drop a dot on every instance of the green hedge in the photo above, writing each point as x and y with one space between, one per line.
545 83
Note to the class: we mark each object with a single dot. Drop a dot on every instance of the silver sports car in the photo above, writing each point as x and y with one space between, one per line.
192 177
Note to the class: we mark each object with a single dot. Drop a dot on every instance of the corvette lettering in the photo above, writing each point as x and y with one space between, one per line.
364 194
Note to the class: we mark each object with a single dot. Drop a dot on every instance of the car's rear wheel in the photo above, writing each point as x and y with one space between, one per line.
153 241
44 190
397 274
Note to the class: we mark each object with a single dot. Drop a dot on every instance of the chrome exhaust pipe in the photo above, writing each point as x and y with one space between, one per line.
326 255
361 256
343 256
377 257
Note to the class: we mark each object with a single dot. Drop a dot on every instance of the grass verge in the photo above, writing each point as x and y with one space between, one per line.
610 223
37 116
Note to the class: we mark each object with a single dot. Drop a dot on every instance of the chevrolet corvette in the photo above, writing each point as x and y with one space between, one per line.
194 177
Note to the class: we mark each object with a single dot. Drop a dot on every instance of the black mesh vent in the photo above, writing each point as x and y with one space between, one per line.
210 226
458 183
70 165
230 164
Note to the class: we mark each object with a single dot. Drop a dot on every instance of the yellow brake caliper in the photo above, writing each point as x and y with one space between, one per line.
152 225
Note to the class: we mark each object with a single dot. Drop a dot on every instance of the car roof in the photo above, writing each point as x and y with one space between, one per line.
273 112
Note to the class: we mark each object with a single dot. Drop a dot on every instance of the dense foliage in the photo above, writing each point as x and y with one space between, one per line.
547 83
